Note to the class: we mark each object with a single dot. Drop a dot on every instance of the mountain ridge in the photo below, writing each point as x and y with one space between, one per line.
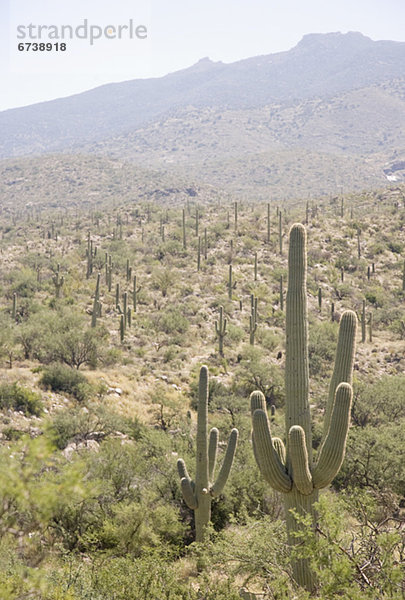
294 75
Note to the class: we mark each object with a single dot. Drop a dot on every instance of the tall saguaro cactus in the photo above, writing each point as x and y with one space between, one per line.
291 469
198 493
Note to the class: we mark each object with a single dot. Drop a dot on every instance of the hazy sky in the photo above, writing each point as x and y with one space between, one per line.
180 32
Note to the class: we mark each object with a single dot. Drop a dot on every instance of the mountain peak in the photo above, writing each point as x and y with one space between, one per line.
204 64
334 39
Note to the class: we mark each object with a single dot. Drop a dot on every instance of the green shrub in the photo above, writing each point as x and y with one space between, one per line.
79 424
321 347
172 321
395 247
60 378
16 397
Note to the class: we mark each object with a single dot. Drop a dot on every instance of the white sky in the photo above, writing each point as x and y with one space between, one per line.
180 32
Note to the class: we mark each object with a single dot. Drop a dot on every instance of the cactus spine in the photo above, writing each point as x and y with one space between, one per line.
290 469
199 493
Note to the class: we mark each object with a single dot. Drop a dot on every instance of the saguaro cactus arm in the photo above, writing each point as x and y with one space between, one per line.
212 452
223 474
344 359
299 460
332 451
268 459
188 493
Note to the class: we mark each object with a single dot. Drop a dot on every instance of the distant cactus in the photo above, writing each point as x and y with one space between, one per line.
117 295
135 292
58 281
220 330
199 493
96 302
253 320
14 307
358 244
363 321
290 469
231 285
122 328
281 293
199 253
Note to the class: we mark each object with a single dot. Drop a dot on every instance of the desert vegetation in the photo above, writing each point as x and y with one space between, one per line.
112 313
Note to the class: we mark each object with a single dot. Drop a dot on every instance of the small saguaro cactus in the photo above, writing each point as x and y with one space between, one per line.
135 292
14 307
198 493
220 330
58 281
290 468
231 284
96 302
252 320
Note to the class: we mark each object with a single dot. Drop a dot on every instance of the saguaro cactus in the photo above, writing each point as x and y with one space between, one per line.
220 330
96 303
58 281
290 469
199 493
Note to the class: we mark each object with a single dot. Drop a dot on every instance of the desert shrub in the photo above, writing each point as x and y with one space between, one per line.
257 373
23 282
79 424
16 397
172 321
395 247
379 403
61 378
322 347
72 342
234 335
375 460
163 279
377 296
267 338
